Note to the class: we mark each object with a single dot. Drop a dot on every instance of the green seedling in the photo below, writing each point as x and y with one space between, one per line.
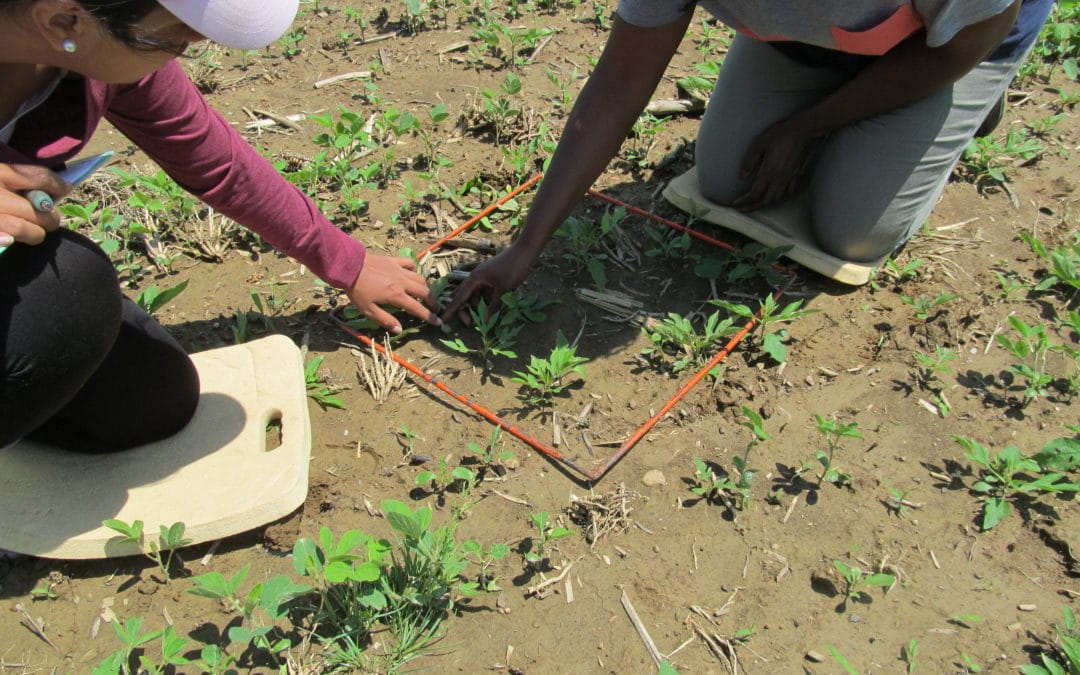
1068 650
1032 348
985 159
497 336
833 431
965 620
585 239
517 306
929 368
1003 477
44 593
406 436
1046 126
546 532
498 109
742 463
844 663
931 365
545 378
1062 263
162 551
485 559
676 335
911 652
317 390
734 489
769 313
131 635
700 84
897 274
1009 284
967 665
446 477
927 309
490 456
265 603
152 299
642 139
240 328
898 501
666 243
714 488
749 264
362 584
855 580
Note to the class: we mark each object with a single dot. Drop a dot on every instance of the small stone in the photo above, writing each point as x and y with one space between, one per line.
1027 608
815 657
653 478
855 618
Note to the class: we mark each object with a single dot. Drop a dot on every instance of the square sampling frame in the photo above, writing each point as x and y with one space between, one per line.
591 476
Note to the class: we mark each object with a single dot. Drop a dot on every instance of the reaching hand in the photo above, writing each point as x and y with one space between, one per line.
502 273
393 281
775 163
19 220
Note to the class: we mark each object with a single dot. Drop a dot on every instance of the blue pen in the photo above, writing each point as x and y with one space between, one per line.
75 173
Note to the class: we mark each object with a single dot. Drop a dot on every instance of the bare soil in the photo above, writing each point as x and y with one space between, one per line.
770 567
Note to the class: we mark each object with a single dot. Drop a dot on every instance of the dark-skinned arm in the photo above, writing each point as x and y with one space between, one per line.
909 72
633 61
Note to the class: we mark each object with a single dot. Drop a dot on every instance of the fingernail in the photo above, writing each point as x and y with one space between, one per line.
438 321
6 240
396 330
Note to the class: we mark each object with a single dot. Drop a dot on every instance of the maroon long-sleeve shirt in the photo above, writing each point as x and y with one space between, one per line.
166 116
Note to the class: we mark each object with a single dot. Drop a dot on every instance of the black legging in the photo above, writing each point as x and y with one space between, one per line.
81 366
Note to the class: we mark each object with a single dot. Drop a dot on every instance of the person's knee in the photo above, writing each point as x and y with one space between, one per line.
844 230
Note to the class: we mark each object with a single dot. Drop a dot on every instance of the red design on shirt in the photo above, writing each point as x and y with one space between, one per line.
903 23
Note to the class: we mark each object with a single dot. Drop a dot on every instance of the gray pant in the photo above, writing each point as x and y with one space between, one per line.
871 185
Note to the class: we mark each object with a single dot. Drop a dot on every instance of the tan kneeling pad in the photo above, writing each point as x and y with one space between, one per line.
781 225
215 475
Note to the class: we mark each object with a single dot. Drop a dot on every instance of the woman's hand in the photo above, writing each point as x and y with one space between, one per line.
19 220
774 163
489 281
386 280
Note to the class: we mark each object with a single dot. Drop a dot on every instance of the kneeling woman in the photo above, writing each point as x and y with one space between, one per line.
82 365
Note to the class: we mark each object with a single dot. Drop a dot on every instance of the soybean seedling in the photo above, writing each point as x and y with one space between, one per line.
162 551
1002 476
833 431
152 299
544 378
485 559
855 580
536 556
265 603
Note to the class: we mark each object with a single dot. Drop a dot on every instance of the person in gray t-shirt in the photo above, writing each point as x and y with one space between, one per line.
869 113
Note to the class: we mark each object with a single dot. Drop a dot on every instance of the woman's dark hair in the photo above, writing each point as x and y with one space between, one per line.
120 18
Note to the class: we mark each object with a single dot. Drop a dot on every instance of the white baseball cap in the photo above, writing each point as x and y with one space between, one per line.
237 24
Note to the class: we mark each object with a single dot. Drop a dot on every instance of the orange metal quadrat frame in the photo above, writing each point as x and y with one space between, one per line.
593 475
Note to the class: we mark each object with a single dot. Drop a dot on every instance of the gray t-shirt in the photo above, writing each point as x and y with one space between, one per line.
870 27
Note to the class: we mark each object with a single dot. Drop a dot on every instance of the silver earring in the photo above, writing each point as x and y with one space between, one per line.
69 46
